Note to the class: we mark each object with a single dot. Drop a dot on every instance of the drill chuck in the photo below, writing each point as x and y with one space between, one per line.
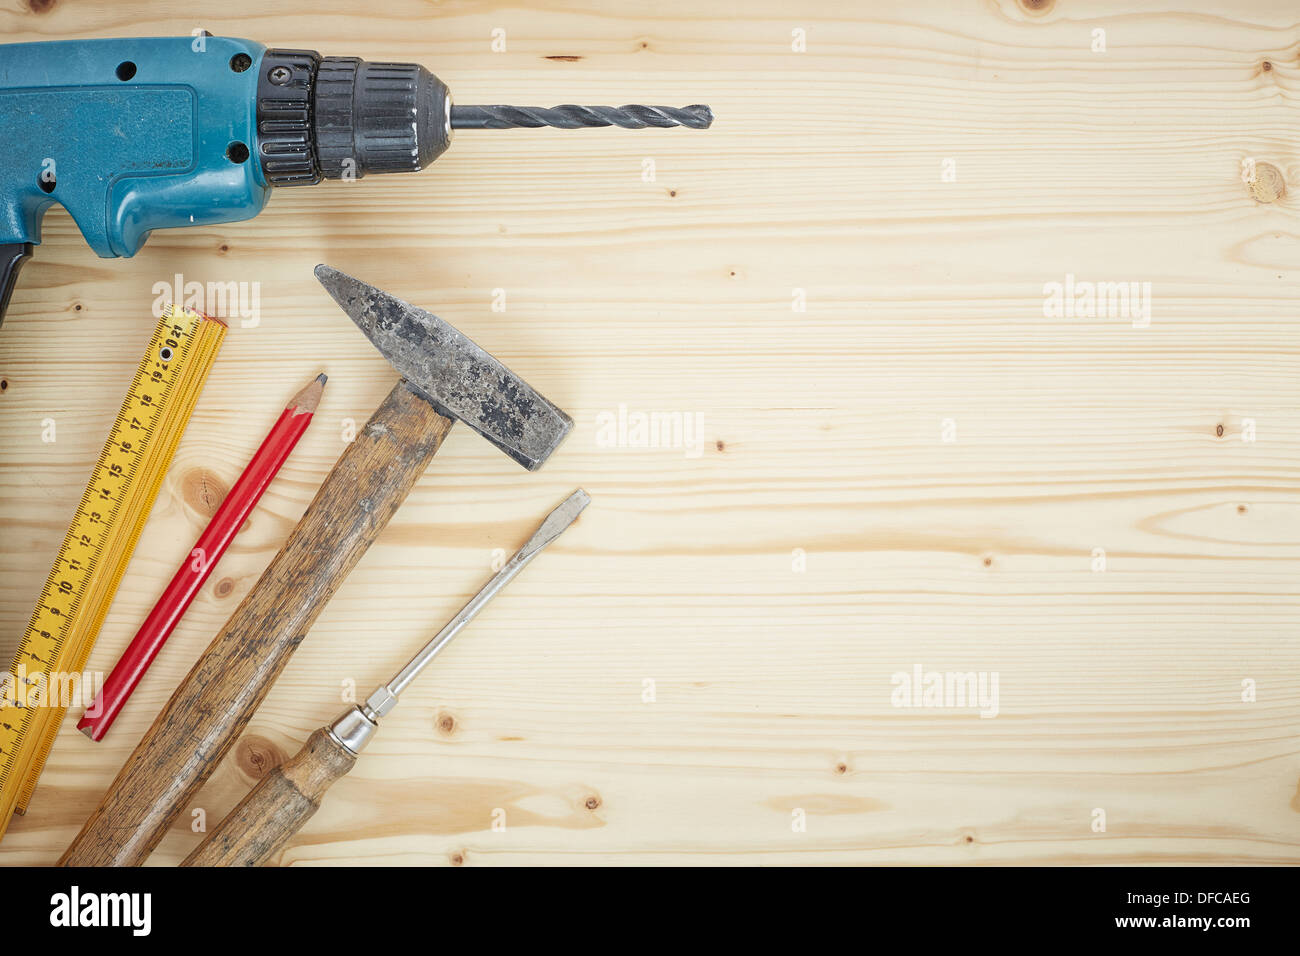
340 117
378 117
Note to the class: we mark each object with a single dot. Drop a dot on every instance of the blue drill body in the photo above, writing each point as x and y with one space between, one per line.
129 136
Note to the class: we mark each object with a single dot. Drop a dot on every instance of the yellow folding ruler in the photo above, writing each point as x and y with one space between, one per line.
47 670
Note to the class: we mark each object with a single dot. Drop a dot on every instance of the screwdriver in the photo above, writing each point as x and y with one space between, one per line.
286 798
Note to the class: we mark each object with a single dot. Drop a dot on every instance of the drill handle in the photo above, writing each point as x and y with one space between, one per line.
277 807
12 257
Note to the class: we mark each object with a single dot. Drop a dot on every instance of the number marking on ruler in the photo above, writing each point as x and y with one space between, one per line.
97 548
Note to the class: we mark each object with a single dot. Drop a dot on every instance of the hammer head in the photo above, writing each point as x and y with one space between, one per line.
453 374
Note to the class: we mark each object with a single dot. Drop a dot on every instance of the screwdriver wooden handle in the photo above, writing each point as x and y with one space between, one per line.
277 807
212 705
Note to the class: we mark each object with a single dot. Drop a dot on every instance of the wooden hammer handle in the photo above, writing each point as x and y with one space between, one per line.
210 708
277 807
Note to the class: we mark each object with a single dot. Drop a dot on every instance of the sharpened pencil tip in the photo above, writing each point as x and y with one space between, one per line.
305 402
322 378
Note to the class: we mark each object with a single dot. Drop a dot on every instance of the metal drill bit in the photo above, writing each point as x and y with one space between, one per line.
569 116
355 727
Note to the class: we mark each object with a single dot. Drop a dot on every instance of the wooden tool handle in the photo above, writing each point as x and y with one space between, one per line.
212 705
277 807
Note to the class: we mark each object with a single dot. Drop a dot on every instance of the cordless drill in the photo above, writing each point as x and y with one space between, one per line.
132 135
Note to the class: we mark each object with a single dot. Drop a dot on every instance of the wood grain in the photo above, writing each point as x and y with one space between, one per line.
822 431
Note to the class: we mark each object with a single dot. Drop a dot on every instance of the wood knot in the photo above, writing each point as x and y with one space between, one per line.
446 724
988 561
1266 66
257 756
1037 7
592 802
458 858
841 768
720 445
1241 509
1218 430
203 491
40 6
4 384
224 587
1267 184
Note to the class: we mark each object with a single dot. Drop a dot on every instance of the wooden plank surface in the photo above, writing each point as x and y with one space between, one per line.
924 467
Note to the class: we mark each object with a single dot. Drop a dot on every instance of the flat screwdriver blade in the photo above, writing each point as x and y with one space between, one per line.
384 699
564 514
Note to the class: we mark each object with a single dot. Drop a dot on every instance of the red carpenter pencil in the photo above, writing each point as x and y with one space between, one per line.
207 551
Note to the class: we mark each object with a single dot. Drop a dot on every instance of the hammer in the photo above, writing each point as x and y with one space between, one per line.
445 377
